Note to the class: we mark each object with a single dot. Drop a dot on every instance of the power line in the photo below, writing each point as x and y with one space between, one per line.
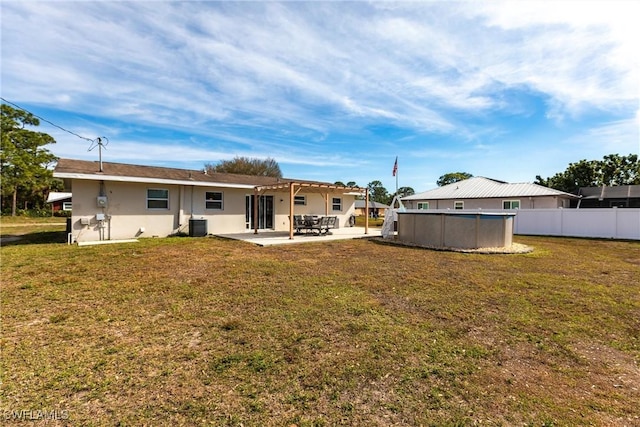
51 123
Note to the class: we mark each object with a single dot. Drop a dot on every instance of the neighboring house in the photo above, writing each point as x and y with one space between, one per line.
113 201
59 201
375 209
621 196
489 194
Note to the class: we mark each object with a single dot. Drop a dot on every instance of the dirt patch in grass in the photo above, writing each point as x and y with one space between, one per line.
219 332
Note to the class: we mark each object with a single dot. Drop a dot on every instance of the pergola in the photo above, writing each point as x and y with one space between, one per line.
309 187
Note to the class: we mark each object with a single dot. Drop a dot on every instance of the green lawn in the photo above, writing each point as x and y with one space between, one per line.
205 331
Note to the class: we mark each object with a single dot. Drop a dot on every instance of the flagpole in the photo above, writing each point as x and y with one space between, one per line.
396 174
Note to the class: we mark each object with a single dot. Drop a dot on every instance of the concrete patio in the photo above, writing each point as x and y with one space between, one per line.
270 238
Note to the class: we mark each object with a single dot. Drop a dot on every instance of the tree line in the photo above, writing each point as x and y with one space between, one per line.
27 178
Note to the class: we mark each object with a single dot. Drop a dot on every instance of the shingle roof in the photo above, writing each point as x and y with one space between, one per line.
90 170
484 188
83 168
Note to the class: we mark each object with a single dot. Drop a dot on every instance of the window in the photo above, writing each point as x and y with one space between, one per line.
299 200
336 204
511 204
213 200
66 206
458 205
423 205
157 198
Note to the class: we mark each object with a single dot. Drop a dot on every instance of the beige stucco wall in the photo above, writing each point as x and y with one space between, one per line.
549 202
127 215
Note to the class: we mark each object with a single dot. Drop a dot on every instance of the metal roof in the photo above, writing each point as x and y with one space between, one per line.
484 188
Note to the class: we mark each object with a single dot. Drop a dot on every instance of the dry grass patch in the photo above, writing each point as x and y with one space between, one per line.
208 331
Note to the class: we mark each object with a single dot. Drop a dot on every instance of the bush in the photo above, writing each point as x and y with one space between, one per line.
33 213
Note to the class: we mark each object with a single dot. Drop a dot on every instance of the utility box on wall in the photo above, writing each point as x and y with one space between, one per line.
197 227
101 201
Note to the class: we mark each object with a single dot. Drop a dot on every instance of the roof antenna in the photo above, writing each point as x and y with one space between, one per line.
98 142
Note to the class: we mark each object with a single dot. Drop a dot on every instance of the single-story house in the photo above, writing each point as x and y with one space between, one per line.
60 201
376 209
619 196
489 194
114 201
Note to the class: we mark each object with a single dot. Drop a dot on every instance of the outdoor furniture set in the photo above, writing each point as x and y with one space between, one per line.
314 224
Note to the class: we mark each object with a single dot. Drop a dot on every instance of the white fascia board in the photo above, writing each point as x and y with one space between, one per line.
96 177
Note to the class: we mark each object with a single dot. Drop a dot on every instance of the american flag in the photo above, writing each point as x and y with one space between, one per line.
395 167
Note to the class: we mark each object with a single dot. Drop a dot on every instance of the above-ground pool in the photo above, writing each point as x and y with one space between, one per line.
457 230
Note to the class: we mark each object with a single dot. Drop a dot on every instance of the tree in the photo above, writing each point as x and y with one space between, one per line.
377 192
23 159
612 170
450 178
348 184
620 170
352 184
247 166
404 192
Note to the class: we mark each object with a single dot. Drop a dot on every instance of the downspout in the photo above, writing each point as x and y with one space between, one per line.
191 203
181 206
102 193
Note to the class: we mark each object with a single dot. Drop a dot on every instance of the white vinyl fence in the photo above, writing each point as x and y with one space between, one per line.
614 223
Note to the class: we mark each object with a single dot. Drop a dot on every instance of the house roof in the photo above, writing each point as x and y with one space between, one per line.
615 192
485 188
359 204
56 196
90 170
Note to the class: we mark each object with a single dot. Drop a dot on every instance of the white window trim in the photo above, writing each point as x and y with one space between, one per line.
511 202
221 201
333 204
423 205
456 203
156 198
67 206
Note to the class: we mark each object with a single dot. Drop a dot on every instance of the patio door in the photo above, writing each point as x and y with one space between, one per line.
266 214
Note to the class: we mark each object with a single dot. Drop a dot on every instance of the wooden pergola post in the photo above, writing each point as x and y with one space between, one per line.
366 210
291 209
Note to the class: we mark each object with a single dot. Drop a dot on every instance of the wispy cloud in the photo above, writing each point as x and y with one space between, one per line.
290 79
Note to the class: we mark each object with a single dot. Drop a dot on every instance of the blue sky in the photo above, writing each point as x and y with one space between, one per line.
333 91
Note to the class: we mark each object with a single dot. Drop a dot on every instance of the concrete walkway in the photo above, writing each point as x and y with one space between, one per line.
270 238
